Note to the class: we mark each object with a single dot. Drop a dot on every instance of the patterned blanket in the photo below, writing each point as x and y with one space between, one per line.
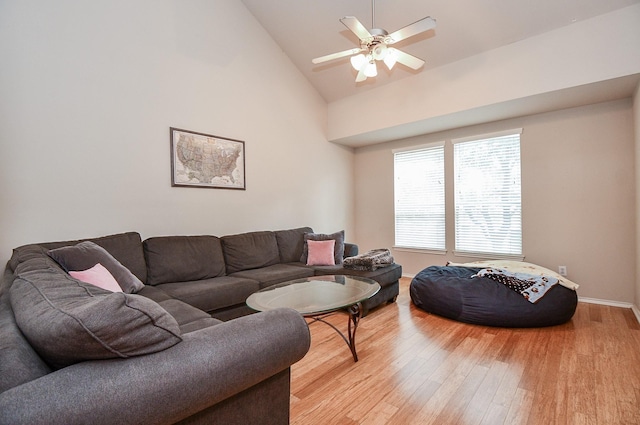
519 267
370 260
532 287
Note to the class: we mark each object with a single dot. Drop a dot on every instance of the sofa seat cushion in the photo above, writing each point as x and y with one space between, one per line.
384 276
154 293
188 317
69 321
212 294
183 258
276 273
252 250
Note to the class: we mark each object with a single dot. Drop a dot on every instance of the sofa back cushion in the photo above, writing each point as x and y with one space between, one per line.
250 251
291 243
85 255
183 258
124 247
68 321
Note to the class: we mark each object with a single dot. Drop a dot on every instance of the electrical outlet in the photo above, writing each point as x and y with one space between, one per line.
562 270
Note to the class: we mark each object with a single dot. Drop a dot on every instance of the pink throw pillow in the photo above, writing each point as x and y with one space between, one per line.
321 253
98 276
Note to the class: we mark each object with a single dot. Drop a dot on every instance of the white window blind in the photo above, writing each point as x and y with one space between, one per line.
488 213
419 198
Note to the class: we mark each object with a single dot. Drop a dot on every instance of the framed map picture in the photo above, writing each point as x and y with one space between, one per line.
203 160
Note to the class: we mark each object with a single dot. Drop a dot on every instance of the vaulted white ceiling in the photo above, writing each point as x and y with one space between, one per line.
306 29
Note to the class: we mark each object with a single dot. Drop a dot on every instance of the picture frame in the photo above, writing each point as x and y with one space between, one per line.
206 161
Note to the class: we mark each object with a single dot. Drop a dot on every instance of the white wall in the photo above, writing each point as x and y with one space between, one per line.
578 196
88 91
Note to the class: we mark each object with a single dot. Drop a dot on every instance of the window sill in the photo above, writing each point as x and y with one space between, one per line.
489 255
421 250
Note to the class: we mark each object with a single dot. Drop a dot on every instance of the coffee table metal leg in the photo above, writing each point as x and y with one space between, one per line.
355 313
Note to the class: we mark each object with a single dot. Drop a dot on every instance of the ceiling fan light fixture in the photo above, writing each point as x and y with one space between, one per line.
380 51
371 70
358 61
391 57
361 77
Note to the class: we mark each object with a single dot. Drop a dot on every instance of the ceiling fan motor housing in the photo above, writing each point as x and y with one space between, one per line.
377 45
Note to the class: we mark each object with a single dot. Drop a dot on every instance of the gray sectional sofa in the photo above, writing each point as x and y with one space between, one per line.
179 346
217 274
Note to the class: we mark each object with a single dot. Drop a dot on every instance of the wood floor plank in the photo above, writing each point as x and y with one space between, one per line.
520 408
418 368
630 319
595 313
548 370
380 414
479 408
454 411
414 403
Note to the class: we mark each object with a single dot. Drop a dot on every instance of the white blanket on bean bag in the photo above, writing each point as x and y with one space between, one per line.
520 267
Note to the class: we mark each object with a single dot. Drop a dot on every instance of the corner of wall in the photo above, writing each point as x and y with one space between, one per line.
636 311
636 126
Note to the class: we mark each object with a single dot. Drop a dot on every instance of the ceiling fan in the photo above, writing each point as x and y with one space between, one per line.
375 45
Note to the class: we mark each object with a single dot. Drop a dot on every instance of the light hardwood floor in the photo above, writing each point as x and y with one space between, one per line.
418 368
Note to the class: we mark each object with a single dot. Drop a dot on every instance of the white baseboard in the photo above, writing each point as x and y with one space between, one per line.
633 307
605 302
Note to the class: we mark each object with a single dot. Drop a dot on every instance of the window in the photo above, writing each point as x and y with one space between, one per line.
488 213
484 200
419 198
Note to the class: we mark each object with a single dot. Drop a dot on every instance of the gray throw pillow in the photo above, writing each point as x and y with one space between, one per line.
87 254
338 249
68 321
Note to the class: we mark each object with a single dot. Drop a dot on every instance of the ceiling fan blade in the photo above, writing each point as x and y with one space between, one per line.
357 28
337 55
408 60
424 24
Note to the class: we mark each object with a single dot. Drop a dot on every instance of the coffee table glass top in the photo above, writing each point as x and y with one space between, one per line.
315 295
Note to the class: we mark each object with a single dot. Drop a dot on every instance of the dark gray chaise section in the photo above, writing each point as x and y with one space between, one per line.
290 243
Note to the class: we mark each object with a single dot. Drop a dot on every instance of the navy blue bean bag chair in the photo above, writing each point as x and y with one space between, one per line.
451 292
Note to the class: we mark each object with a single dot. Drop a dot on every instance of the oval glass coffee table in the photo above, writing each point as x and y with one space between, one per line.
318 297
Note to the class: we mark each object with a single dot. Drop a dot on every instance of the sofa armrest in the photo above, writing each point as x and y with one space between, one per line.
208 366
350 250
